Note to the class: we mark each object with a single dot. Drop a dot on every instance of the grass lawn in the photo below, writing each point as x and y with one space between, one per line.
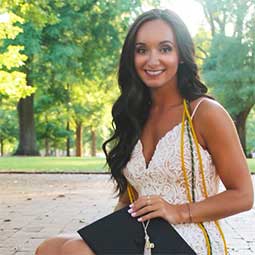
52 164
251 164
62 164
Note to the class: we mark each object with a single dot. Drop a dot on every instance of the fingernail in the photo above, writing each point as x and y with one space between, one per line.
130 210
131 205
133 214
139 219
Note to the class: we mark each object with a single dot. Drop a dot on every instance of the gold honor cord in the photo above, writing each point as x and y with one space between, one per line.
186 112
184 171
130 193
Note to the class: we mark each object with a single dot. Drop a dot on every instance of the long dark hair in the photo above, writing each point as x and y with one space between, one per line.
131 109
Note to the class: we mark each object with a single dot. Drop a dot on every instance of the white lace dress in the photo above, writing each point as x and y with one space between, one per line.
164 177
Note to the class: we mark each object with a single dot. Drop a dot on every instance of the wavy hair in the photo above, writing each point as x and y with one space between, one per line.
131 109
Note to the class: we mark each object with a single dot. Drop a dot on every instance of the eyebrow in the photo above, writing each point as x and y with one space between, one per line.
162 42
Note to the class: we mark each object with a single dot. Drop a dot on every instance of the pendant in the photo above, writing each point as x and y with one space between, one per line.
148 245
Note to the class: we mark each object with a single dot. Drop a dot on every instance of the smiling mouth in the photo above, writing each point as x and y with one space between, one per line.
154 72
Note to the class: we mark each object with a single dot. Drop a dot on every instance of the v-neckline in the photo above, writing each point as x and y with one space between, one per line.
147 165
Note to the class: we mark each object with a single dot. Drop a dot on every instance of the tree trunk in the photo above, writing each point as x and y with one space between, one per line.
47 147
55 148
240 122
209 17
1 146
47 140
27 137
79 139
68 140
93 143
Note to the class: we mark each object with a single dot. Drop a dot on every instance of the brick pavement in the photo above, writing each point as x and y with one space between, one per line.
34 207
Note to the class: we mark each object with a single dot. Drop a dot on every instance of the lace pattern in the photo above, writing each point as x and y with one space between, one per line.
164 177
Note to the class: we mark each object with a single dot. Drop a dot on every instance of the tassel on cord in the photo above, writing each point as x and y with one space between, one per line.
148 245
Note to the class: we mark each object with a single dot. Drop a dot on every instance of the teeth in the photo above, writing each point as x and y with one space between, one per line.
154 72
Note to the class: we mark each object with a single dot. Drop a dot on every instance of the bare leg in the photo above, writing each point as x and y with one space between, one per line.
56 245
51 246
76 247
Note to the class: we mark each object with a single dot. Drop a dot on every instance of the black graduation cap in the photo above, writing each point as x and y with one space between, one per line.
120 234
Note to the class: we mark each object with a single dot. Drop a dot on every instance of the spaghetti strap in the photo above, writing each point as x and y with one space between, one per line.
193 113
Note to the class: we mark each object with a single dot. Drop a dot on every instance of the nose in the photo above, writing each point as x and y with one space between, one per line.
153 59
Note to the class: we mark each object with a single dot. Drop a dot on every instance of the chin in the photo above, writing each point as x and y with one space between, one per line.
154 85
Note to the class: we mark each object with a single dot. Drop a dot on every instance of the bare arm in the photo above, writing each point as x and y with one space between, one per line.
219 133
123 201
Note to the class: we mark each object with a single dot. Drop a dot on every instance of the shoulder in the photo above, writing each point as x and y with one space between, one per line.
212 123
210 115
222 141
207 104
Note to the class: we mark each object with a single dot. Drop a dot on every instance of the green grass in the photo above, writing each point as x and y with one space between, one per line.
251 164
62 164
52 164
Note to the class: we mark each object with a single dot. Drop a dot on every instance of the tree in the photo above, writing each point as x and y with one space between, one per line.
12 82
34 16
8 128
91 108
82 49
202 42
67 44
77 38
49 118
229 67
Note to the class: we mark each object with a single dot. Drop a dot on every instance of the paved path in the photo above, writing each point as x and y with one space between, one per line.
34 207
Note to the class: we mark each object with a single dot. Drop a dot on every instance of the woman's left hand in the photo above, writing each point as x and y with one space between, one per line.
155 206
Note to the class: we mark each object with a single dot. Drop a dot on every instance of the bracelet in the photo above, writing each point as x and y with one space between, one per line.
190 216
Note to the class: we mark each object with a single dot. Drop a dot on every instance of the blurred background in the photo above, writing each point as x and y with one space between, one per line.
58 70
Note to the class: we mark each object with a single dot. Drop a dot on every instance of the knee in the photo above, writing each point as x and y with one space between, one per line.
42 249
76 247
68 248
50 246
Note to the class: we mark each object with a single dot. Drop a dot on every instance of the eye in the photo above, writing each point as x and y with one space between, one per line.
140 50
166 49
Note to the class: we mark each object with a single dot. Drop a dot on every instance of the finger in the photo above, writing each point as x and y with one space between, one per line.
144 210
149 216
145 201
141 202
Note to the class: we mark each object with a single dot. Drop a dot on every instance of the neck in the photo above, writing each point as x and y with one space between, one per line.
164 98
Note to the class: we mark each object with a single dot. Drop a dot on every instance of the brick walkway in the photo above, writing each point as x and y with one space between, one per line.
34 207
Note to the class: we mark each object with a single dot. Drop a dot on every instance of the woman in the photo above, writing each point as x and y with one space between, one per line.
156 73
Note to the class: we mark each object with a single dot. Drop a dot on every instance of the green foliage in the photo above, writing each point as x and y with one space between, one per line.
229 72
202 41
12 82
229 67
50 122
250 135
38 13
7 28
8 124
70 52
79 52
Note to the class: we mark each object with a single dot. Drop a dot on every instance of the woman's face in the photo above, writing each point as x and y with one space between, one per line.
156 54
